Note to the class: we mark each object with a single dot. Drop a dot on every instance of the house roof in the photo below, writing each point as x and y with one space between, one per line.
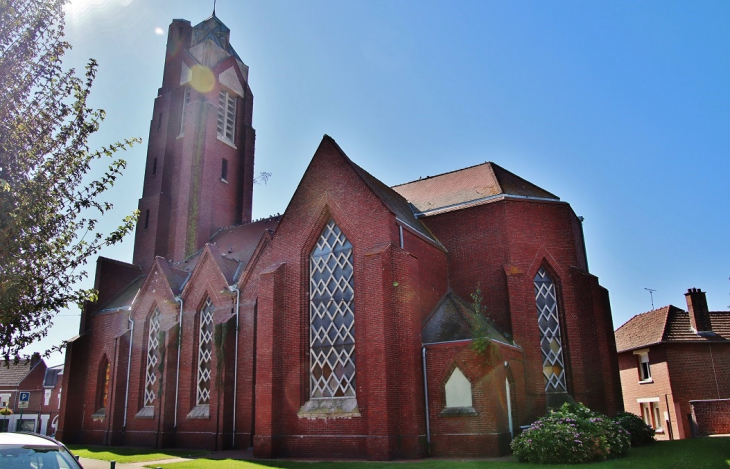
51 379
124 298
669 324
475 185
452 319
11 374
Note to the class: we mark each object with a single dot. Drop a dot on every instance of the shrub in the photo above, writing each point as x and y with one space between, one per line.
572 434
641 433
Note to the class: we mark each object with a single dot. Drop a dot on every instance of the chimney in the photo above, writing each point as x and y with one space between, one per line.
34 359
699 316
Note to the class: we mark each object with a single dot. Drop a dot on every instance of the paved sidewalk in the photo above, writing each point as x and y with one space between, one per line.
229 454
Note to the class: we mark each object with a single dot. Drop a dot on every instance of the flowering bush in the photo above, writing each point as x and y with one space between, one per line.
641 433
572 434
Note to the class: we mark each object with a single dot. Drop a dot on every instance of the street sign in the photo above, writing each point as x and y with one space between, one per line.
23 400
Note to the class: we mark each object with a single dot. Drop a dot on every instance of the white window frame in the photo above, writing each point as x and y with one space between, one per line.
458 391
47 396
153 358
205 353
644 366
651 413
226 124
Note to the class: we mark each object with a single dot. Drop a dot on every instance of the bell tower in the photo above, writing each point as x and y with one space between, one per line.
200 154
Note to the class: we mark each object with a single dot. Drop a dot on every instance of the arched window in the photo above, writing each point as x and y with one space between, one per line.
205 352
458 390
153 358
331 316
548 320
103 395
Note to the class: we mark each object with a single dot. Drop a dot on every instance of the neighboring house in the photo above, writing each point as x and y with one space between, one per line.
340 327
675 368
30 376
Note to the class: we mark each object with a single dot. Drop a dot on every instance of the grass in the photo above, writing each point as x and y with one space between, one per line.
693 453
125 454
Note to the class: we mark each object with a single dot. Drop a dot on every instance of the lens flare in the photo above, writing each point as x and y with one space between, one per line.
202 78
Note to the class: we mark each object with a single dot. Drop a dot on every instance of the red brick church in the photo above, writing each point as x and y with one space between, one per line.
344 327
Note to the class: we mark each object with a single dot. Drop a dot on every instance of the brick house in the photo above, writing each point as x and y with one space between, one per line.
675 368
342 327
43 387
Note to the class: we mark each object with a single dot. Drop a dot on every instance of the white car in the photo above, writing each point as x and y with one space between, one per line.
30 450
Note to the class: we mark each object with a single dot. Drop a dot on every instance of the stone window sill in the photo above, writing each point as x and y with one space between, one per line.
227 142
146 412
99 414
646 381
199 412
329 409
458 412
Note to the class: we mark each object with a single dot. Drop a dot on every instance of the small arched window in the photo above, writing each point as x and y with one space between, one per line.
458 390
548 320
205 352
153 358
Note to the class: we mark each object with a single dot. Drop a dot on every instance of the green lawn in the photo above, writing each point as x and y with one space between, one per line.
124 454
695 453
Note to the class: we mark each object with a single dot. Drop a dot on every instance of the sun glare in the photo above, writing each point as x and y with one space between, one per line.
78 10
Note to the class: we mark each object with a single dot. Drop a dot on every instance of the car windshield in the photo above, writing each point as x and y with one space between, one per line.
35 457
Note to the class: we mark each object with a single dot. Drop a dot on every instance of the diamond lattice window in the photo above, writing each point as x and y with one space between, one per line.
205 353
331 316
153 358
553 364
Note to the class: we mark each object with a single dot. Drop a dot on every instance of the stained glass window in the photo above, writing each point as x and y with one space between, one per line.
205 352
553 364
153 358
331 316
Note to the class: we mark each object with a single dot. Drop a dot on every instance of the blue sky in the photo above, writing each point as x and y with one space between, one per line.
621 108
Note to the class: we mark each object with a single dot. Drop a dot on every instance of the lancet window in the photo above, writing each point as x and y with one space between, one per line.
153 358
205 353
553 362
331 316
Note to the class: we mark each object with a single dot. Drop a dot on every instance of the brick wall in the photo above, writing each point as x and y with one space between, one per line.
711 417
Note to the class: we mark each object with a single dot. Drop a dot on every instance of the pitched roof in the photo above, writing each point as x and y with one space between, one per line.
52 376
11 374
451 320
669 324
234 246
475 185
124 298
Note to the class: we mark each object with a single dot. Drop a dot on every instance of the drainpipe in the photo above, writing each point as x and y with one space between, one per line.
425 393
129 365
235 361
179 345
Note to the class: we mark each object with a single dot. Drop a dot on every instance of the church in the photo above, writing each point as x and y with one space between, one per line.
432 318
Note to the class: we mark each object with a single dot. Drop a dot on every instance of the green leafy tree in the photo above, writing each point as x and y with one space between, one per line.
48 206
480 323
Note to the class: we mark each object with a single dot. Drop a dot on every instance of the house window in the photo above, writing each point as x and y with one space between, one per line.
185 102
651 414
226 116
224 170
153 357
644 367
47 396
331 316
205 353
548 320
458 390
4 400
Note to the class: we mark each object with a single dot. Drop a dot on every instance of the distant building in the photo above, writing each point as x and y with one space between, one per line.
43 387
675 368
343 327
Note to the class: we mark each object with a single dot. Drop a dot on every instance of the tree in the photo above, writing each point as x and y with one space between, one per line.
48 207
